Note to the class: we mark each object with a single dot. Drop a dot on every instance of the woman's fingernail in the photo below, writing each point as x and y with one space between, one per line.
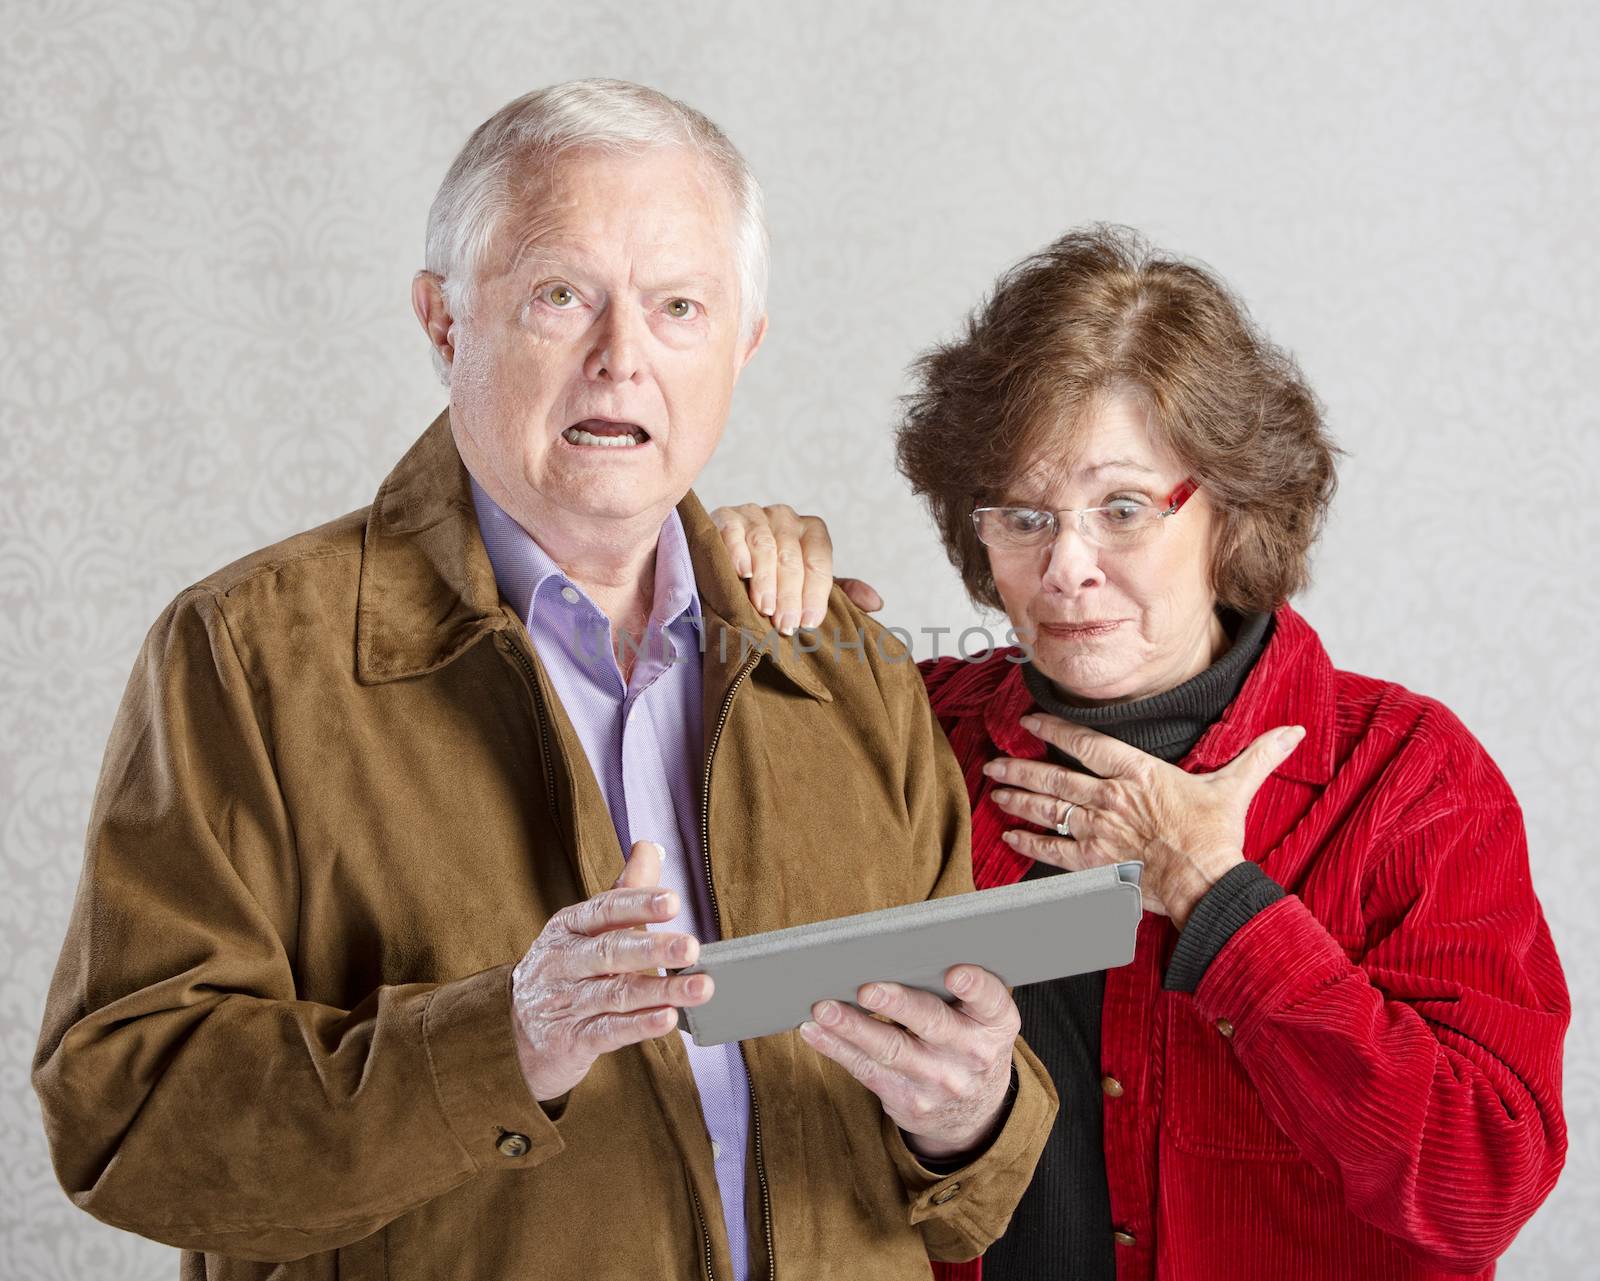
1292 735
827 1012
994 769
1010 838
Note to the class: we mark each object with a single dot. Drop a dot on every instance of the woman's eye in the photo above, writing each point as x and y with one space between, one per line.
560 296
1124 509
1025 520
682 309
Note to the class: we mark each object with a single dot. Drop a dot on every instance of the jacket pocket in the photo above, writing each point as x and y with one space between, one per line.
1209 1105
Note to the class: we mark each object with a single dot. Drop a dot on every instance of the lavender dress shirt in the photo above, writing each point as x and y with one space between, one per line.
644 744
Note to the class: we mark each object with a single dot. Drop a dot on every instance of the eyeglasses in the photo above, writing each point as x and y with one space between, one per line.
1122 524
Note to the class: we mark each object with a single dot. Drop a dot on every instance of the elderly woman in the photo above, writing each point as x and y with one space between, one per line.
1337 1050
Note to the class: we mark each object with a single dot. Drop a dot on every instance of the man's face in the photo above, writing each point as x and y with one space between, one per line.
591 379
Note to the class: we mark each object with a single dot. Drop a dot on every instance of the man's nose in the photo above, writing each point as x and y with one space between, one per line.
615 355
1074 560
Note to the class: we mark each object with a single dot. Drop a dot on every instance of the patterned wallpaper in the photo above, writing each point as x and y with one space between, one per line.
210 213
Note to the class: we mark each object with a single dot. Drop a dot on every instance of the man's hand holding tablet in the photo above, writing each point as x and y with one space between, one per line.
940 1070
914 1001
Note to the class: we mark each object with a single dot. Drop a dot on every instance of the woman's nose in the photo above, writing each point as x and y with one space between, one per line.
1074 561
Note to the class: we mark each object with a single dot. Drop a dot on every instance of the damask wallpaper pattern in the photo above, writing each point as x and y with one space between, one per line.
210 213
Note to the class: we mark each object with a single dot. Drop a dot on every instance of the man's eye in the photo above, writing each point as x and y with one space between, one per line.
682 309
561 296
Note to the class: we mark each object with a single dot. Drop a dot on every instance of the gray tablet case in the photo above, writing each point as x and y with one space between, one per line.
1025 933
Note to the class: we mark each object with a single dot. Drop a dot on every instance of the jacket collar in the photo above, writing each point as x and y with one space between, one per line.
1292 683
428 592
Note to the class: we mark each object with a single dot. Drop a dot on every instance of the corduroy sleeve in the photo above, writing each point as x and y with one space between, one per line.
188 1095
1221 913
1424 1076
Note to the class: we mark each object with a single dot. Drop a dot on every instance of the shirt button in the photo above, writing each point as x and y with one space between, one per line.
1122 1238
1111 1086
570 595
1225 1027
513 1145
944 1194
716 1150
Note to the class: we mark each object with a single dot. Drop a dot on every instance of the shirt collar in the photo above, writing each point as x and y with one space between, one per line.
522 567
426 591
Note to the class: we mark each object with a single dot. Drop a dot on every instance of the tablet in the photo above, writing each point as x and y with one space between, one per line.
1024 933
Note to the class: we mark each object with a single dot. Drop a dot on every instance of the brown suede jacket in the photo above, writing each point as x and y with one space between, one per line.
339 802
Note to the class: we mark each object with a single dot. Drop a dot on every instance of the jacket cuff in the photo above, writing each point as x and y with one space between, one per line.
974 1203
472 1056
1281 955
1222 911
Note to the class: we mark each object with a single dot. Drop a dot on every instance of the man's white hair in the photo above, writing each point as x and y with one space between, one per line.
531 133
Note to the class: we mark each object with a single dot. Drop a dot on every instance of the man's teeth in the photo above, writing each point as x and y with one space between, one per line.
577 436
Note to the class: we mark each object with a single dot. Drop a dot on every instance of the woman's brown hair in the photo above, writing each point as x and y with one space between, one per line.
1100 313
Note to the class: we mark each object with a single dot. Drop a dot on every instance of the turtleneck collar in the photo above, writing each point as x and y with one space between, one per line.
1168 724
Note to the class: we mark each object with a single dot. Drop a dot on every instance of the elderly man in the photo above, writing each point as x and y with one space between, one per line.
355 772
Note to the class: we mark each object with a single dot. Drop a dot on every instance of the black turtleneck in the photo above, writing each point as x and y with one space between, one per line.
1062 1227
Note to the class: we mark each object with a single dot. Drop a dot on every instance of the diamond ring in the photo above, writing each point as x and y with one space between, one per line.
1064 825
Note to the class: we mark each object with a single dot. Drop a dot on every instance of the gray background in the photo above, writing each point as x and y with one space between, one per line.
212 214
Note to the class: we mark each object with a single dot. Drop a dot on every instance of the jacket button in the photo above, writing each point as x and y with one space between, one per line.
1111 1086
1122 1238
513 1145
1225 1027
944 1194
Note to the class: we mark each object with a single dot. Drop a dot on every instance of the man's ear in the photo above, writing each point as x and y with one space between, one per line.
427 300
753 342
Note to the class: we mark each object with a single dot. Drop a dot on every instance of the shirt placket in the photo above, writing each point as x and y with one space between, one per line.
718 1070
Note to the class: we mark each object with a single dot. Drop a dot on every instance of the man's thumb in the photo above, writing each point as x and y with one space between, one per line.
643 867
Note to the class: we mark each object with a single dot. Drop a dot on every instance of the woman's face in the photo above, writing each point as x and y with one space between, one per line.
1104 625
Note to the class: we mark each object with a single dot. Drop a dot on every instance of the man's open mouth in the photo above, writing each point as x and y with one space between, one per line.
604 432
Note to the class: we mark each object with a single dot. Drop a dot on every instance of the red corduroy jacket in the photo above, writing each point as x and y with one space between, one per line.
1367 1082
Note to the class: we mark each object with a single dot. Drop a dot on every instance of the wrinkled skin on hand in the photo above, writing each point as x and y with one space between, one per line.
589 985
940 1070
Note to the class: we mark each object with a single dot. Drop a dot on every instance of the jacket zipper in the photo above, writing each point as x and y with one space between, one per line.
705 1232
705 856
544 725
705 851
